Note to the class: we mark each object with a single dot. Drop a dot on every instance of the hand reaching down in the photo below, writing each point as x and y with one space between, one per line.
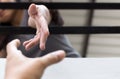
39 18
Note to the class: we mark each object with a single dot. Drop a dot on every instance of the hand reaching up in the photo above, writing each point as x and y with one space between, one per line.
21 67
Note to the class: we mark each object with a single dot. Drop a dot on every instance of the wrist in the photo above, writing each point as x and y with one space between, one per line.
45 13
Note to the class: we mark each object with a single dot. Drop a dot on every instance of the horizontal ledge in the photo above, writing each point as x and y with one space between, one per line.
62 5
63 30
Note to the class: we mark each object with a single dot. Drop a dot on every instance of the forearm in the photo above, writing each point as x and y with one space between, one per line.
46 14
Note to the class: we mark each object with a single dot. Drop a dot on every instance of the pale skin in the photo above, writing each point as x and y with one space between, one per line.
20 67
39 18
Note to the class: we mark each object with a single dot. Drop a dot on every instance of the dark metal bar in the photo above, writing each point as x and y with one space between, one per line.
63 30
87 36
62 5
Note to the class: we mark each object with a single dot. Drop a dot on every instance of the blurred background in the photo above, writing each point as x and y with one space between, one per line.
94 45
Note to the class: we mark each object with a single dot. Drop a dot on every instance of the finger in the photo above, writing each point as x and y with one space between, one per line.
12 48
42 28
43 41
53 58
30 43
26 42
45 34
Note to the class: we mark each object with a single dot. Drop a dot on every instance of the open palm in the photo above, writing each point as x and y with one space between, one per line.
20 67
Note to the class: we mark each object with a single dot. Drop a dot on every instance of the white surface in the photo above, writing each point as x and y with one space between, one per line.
2 68
80 68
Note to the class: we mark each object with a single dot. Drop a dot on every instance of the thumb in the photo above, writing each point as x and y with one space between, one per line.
12 47
53 57
32 10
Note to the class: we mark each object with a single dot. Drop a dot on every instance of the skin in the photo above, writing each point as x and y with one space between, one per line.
18 66
21 67
39 18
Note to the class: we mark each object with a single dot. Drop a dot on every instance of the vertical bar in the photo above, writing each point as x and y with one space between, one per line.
87 37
